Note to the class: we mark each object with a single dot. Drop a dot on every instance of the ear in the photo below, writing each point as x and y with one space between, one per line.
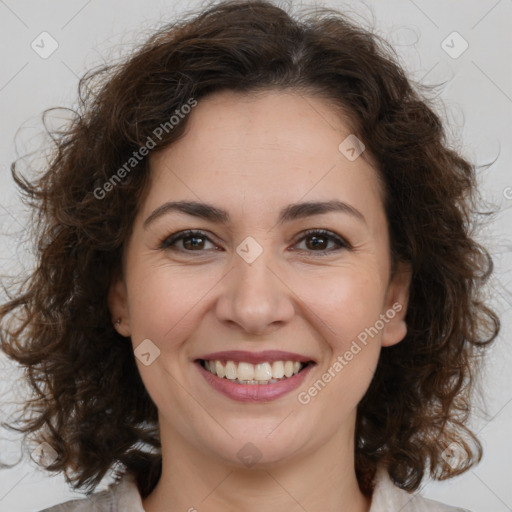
118 305
395 307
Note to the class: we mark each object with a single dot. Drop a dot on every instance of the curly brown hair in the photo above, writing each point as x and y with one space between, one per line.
89 401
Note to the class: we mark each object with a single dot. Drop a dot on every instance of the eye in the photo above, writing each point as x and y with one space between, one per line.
319 241
194 241
191 241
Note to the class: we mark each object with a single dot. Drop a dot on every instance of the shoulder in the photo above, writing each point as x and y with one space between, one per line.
387 496
122 496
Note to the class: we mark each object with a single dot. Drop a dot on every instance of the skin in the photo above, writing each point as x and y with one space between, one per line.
252 155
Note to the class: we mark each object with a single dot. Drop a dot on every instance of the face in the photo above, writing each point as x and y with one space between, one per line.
261 278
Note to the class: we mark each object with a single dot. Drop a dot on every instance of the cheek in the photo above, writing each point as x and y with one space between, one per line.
345 300
340 387
346 307
165 299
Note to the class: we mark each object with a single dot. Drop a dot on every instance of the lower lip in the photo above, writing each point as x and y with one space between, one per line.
254 392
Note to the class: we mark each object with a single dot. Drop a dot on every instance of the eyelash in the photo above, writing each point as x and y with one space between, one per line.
168 242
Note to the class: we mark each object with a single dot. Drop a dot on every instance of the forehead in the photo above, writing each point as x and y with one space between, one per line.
275 146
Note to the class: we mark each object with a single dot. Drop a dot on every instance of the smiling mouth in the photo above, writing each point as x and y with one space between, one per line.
253 374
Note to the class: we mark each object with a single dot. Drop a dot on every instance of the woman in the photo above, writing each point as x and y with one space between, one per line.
256 286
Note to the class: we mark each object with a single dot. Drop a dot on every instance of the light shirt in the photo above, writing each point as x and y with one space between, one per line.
125 497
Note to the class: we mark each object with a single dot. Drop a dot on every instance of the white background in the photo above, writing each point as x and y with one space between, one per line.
477 97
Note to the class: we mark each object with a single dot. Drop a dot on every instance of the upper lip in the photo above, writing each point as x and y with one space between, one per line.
256 357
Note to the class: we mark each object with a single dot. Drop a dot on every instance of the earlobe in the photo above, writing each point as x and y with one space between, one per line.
397 301
118 305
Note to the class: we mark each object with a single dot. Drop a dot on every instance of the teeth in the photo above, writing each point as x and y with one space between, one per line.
247 373
231 372
278 369
219 369
263 371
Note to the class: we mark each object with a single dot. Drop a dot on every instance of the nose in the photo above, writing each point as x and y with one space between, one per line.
255 297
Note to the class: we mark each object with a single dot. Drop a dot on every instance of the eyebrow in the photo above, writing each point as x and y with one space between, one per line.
219 216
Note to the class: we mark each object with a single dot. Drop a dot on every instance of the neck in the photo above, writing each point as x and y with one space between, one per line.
321 479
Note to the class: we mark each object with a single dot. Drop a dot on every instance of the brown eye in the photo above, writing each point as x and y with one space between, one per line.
318 241
191 241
